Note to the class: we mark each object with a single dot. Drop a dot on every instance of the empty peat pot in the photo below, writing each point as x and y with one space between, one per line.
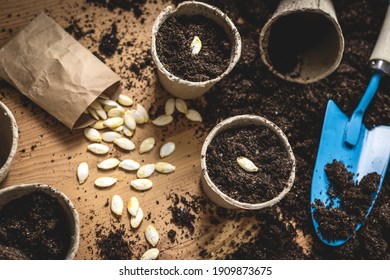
302 42
194 46
37 221
8 140
227 182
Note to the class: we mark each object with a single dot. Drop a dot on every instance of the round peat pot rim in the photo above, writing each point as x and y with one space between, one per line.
175 85
322 70
213 192
13 192
10 134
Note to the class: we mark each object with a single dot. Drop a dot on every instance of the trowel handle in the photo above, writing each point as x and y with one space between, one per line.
380 57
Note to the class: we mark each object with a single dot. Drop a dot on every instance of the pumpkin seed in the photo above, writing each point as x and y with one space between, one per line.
151 254
138 116
141 184
133 206
163 120
125 100
118 129
143 112
110 136
117 205
108 104
196 45
82 172
145 171
98 125
194 116
247 164
116 112
92 134
147 145
127 131
167 149
152 235
129 120
98 149
105 182
109 163
129 165
164 167
101 113
96 105
181 105
170 106
113 122
93 113
136 220
125 143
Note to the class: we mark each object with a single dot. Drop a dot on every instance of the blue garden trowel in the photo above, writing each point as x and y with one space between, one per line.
347 140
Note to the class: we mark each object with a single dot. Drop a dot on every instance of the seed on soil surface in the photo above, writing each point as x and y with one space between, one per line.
196 45
96 105
144 112
181 106
147 145
163 120
170 106
125 143
129 165
194 116
247 164
113 122
98 149
110 136
164 167
151 235
117 205
125 100
138 116
145 171
116 112
141 184
127 131
133 206
109 163
92 134
167 149
129 120
101 113
151 254
82 172
93 113
105 182
136 220
98 125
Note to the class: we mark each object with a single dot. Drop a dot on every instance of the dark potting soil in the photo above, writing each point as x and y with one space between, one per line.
173 43
264 148
355 199
35 226
109 42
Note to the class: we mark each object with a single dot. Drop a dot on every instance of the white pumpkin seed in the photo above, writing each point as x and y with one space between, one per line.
170 106
133 206
181 105
125 100
136 220
129 120
127 131
125 143
109 163
110 136
82 172
118 129
152 235
167 149
93 113
92 134
247 164
196 45
96 105
163 120
138 116
108 104
147 145
151 254
98 149
164 167
116 112
98 125
101 113
113 122
105 182
145 171
194 116
129 165
141 184
144 112
117 205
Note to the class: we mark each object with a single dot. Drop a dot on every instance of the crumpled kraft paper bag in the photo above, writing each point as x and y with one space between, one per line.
56 72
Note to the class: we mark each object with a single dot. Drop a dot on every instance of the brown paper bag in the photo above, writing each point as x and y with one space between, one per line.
56 72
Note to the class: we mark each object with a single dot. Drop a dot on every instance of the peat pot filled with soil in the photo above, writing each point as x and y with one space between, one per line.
194 46
37 222
247 163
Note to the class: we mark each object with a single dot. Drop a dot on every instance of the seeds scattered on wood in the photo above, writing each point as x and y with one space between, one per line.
110 136
129 165
143 112
170 106
163 120
116 112
152 235
98 149
133 206
105 182
136 220
194 116
151 254
247 164
145 171
125 143
164 167
82 172
138 116
129 120
92 134
125 100
109 163
181 105
196 45
117 205
141 184
113 122
167 149
147 145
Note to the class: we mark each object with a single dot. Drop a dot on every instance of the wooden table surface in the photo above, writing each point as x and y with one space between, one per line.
48 152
